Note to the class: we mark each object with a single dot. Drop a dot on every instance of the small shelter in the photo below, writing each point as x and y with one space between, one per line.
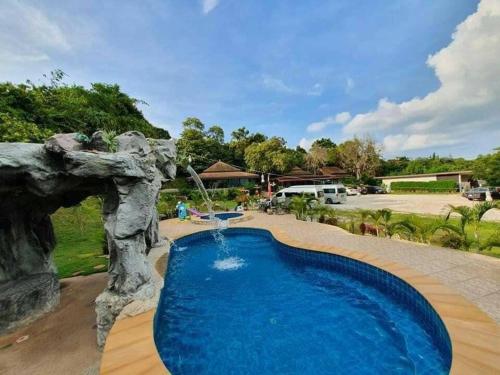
223 175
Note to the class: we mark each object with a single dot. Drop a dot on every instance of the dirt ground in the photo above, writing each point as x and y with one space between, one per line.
62 342
435 204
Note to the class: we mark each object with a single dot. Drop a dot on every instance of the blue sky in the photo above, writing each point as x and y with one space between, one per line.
297 69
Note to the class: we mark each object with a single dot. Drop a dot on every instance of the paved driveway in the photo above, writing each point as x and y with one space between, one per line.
435 204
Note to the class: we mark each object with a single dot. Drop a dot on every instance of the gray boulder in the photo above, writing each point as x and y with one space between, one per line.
61 143
38 179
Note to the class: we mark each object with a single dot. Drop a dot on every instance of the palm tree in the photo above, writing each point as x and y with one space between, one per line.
301 204
469 215
421 231
378 217
324 214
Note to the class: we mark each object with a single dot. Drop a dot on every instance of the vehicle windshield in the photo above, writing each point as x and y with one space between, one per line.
341 190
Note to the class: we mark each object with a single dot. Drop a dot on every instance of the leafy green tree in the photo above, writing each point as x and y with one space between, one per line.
270 156
216 133
487 167
240 140
204 147
56 107
16 130
324 142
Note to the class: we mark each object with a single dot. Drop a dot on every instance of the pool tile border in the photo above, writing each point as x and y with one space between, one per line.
240 219
474 336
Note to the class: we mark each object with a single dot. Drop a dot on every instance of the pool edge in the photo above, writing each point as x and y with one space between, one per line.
474 336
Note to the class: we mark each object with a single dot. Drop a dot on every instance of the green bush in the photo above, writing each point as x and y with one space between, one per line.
422 186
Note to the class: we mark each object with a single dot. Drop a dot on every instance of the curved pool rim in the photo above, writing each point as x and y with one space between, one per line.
224 215
473 335
402 292
243 216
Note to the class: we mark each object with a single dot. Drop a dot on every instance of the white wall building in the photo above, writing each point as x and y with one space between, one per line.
462 178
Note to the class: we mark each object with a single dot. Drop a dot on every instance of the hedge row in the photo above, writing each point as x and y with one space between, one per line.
430 186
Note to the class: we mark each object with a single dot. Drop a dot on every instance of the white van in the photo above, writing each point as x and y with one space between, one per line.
285 195
334 193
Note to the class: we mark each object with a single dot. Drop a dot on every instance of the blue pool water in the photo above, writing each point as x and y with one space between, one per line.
271 309
224 215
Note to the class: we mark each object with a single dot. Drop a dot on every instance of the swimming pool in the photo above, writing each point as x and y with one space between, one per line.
269 308
224 215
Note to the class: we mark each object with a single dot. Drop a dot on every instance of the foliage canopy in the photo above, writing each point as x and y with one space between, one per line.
32 112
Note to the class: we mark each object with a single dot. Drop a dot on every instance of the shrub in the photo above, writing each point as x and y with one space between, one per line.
443 186
451 240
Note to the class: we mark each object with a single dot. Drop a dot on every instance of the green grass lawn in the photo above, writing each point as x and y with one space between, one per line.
80 238
486 228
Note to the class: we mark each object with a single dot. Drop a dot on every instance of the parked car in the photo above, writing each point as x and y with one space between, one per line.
372 190
284 196
479 194
335 193
352 191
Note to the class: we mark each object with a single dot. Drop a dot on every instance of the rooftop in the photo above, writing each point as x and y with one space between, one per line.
429 174
224 171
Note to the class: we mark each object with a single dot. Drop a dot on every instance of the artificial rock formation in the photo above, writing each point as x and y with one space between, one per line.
37 179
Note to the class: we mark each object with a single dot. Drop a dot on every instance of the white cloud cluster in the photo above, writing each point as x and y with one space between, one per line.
27 34
276 84
464 108
339 118
209 5
316 90
306 143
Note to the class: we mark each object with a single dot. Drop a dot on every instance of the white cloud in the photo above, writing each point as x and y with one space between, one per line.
209 5
464 108
340 118
316 90
306 143
277 85
27 34
349 84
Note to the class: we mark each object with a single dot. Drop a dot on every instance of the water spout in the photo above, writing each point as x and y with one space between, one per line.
203 191
220 225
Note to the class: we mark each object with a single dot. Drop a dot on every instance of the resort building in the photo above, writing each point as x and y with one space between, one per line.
462 178
298 176
223 175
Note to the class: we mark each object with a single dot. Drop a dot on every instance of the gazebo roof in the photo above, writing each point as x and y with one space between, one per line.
332 171
297 171
297 174
224 171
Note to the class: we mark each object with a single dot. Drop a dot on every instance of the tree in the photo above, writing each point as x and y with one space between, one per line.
203 147
240 140
361 157
270 156
324 142
216 133
316 158
15 130
487 167
240 134
56 107
193 123
331 157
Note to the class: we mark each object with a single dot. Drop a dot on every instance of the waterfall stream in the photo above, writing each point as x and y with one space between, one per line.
220 225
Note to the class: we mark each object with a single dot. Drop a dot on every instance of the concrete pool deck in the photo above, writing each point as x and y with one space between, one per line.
463 288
